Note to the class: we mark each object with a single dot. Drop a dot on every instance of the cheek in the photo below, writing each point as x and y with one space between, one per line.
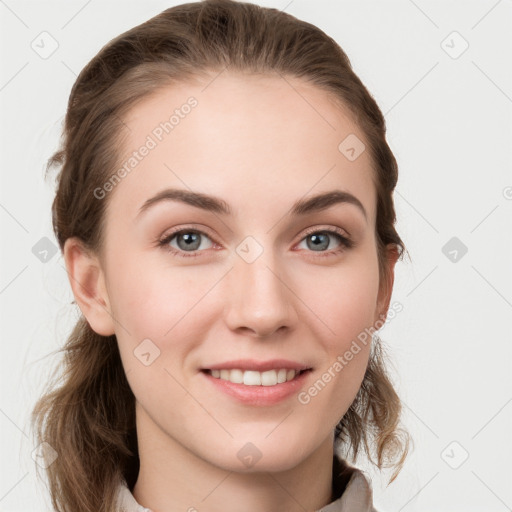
343 302
346 304
152 300
164 306
343 299
168 306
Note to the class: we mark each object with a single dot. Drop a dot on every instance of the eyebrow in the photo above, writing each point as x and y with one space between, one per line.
214 204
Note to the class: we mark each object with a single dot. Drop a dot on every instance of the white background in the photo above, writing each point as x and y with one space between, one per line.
449 124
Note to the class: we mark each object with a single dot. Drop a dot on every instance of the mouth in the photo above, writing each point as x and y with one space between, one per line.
254 388
266 378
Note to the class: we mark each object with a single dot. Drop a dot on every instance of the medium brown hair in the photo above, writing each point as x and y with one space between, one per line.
87 414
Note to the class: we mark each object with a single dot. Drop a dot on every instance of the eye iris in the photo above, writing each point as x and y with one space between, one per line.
317 241
192 241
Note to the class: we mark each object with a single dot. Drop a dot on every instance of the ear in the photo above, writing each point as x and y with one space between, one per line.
386 284
88 284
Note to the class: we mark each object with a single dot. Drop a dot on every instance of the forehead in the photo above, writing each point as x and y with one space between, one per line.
245 138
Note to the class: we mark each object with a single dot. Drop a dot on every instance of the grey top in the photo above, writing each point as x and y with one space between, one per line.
352 492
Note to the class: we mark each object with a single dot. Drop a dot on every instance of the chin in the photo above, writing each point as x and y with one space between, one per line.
258 457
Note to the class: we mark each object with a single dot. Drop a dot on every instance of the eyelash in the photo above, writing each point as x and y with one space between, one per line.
345 242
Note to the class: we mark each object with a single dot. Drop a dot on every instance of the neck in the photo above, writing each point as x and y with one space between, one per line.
172 478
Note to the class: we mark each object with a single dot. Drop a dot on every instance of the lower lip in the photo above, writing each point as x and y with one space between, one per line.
259 395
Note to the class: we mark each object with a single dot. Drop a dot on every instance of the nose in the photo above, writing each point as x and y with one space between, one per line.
259 302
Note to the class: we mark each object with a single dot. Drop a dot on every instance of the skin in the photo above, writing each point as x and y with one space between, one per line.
260 145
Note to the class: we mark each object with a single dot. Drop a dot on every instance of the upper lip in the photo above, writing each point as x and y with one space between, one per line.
260 366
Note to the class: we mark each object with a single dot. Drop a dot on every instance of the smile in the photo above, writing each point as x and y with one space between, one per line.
255 378
258 388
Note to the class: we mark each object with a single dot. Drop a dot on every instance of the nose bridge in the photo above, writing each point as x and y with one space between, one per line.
258 298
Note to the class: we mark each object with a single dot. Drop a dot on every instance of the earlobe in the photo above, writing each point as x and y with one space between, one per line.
386 288
87 282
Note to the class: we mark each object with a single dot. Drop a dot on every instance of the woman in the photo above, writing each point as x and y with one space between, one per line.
225 212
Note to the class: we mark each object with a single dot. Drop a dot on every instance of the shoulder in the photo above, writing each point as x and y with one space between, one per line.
125 500
352 489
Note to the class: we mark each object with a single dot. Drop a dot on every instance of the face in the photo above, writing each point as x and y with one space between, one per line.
197 283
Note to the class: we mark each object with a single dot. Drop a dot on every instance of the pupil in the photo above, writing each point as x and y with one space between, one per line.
318 242
190 239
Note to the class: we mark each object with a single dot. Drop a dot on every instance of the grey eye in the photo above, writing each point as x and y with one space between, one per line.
189 241
320 241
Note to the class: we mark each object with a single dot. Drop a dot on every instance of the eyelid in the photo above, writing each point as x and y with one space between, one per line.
322 229
199 228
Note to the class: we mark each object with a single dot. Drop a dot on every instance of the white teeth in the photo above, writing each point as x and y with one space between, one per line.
254 378
236 376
